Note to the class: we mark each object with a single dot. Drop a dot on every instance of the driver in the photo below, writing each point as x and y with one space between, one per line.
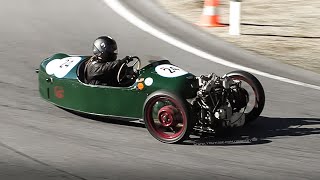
102 67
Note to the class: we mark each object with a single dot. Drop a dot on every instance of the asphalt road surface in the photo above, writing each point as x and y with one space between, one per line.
41 141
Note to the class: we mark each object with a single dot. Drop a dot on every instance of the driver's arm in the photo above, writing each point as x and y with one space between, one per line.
101 68
114 64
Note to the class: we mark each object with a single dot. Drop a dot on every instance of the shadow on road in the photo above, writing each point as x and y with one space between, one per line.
262 131
267 127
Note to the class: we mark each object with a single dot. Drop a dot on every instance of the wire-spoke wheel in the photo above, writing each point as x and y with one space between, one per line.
166 118
255 92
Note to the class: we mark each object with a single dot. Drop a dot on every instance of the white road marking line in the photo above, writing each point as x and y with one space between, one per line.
126 14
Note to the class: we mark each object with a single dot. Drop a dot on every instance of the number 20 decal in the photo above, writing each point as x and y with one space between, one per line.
61 67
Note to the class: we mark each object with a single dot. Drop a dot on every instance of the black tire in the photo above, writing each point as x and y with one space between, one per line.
258 90
174 107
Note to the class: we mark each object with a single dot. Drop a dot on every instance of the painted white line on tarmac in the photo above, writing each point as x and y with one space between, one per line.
126 14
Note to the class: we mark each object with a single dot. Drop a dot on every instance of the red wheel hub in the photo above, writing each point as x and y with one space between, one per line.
168 116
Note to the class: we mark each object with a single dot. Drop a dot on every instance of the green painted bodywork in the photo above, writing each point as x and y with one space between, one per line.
127 102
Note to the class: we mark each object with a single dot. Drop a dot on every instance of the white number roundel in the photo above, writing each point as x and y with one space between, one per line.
61 67
168 70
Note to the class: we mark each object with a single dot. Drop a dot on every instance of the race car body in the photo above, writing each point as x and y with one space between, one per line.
61 82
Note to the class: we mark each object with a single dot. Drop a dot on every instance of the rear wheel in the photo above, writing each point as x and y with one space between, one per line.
256 96
166 117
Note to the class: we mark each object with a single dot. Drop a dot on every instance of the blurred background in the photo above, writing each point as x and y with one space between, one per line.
285 30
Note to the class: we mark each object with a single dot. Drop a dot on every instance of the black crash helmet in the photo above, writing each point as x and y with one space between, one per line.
105 48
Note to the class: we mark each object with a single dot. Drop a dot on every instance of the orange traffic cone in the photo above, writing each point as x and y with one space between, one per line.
210 16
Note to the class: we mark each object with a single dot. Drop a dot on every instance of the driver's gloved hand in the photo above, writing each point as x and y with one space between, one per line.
126 59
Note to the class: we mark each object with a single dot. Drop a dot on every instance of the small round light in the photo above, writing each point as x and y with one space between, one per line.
148 81
140 86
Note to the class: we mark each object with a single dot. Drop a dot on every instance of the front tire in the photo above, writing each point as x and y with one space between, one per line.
167 118
257 88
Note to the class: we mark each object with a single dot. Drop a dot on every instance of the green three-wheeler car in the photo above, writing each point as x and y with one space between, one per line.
170 101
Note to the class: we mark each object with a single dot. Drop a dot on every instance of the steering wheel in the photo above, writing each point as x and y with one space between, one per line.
124 71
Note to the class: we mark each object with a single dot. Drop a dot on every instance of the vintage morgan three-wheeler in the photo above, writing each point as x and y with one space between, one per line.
171 102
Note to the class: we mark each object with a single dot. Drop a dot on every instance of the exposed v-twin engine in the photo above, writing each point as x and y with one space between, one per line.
220 100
